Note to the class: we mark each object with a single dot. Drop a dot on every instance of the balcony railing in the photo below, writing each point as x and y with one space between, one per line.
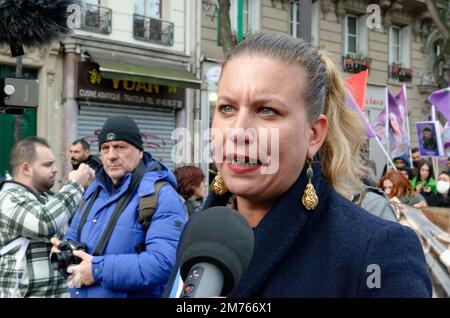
96 19
153 30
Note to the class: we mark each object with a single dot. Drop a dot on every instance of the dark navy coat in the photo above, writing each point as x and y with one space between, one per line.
337 250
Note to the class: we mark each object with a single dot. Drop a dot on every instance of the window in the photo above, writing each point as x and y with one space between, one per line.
148 8
10 71
355 34
148 25
96 18
351 34
315 23
244 16
399 45
294 20
396 53
436 50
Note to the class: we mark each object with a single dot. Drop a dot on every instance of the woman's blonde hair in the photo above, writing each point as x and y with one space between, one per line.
324 94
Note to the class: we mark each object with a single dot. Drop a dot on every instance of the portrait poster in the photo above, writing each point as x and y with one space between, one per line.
429 137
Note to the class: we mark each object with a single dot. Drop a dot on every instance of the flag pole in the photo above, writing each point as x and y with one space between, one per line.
434 159
407 125
387 126
385 152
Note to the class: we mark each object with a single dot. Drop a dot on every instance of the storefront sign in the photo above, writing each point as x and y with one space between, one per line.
375 96
92 86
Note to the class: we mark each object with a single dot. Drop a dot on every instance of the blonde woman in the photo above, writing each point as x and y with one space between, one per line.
310 239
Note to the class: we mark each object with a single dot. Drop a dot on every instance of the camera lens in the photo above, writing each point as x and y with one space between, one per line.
62 260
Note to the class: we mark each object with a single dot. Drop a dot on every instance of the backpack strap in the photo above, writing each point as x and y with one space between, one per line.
86 212
147 205
147 208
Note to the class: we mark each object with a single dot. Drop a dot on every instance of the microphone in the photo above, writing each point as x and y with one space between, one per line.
33 23
216 248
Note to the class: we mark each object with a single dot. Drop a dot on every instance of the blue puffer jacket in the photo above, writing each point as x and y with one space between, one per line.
120 271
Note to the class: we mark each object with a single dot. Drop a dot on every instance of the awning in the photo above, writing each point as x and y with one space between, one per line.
121 68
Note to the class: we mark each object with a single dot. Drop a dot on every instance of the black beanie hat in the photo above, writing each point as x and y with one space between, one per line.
120 128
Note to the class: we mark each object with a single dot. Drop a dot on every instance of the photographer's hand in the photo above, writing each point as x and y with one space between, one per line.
83 271
55 243
83 175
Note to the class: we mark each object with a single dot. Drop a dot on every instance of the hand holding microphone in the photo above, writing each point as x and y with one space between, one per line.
216 248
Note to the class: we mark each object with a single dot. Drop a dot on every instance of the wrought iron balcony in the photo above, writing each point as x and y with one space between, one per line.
96 19
153 30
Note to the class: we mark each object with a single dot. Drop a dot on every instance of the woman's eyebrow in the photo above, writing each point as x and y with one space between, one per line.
270 98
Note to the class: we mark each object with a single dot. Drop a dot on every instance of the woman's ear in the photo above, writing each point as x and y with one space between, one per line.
319 130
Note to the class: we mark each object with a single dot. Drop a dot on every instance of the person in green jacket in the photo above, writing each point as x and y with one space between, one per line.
424 182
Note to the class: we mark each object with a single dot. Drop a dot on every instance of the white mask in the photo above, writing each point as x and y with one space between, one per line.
442 186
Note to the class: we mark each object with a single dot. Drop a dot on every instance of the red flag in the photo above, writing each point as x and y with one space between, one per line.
357 85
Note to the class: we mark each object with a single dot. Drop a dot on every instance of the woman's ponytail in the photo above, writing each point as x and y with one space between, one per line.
340 153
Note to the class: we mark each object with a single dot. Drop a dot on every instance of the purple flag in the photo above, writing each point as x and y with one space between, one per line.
379 125
441 99
402 111
398 134
350 102
402 101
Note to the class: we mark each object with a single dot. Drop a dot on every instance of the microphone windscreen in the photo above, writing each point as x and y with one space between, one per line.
33 23
220 236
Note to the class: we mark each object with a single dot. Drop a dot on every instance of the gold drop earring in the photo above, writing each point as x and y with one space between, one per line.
310 199
218 186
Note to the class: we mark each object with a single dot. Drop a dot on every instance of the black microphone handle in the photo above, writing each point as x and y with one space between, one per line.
204 280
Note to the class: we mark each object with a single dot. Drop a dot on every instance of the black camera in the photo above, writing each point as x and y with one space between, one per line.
61 260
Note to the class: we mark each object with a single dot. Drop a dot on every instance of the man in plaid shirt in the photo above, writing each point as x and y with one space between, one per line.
30 216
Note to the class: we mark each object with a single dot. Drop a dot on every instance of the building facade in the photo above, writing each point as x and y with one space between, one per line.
160 61
404 49
45 65
134 58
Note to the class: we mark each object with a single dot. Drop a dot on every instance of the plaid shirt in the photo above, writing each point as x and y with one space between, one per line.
25 214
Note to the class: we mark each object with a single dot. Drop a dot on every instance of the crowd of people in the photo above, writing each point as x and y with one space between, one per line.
417 185
110 251
114 232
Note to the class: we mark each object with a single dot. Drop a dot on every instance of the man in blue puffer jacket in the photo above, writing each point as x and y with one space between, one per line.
121 271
